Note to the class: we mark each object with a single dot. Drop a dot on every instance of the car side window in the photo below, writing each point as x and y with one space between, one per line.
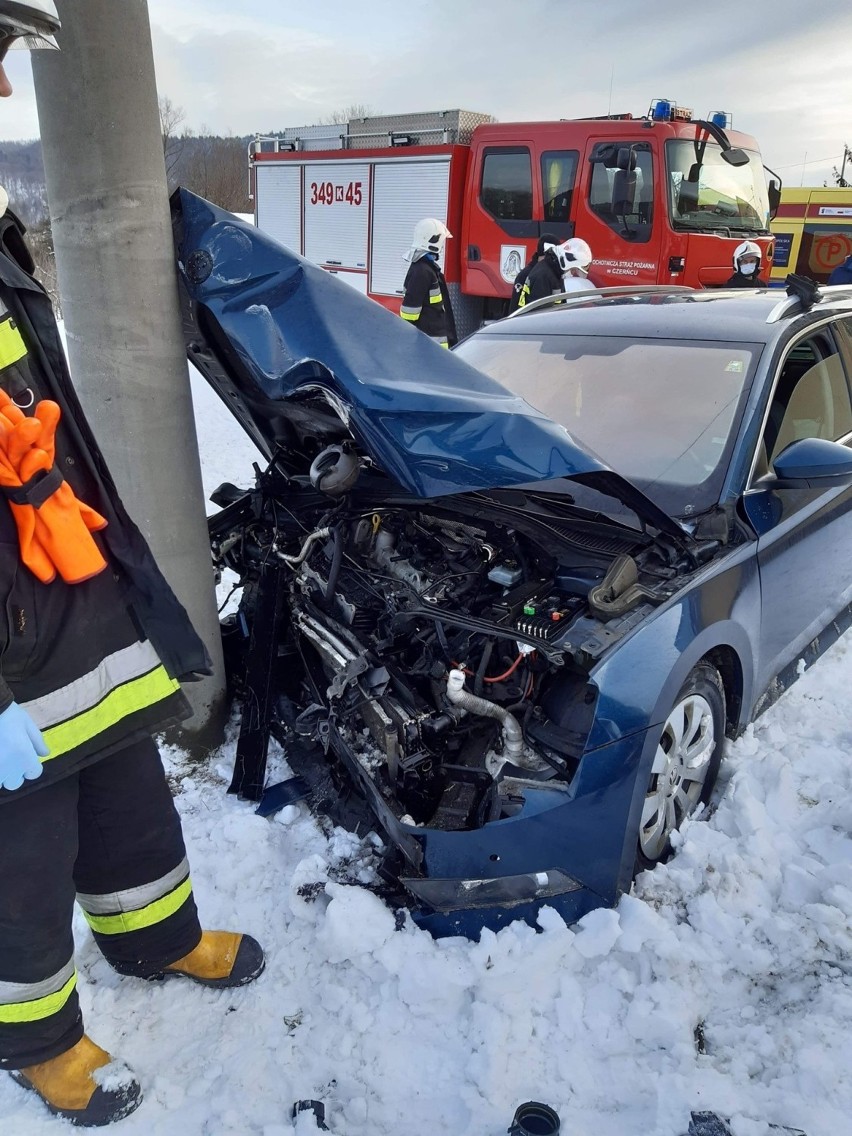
811 398
558 172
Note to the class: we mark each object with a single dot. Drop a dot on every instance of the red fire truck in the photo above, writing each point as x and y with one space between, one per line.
662 199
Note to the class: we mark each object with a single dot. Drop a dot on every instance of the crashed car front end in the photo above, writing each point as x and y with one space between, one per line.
410 628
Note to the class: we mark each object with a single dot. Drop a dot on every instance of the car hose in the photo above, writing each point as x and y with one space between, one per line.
513 738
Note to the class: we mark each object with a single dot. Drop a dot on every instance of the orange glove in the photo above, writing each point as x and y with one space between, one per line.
54 526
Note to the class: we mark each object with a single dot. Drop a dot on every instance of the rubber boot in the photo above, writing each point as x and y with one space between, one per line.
221 959
83 1085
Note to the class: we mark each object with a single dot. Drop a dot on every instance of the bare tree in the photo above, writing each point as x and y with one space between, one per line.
344 114
216 168
171 117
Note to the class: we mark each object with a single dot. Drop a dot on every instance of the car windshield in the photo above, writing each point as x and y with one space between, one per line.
705 192
661 412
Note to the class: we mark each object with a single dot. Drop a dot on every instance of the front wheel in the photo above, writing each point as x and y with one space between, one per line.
686 763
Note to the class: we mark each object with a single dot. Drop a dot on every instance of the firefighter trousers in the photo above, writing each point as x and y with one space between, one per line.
108 836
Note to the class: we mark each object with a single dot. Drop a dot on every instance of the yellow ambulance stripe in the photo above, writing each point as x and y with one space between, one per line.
155 912
118 704
12 346
38 1008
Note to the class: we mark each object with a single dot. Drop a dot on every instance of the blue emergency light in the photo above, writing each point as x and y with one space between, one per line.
720 118
661 110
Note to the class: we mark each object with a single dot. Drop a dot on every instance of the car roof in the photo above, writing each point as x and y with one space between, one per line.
760 316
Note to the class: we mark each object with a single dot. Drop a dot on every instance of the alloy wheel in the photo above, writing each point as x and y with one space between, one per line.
680 768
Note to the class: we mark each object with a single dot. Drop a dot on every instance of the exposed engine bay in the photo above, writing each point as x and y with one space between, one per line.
444 645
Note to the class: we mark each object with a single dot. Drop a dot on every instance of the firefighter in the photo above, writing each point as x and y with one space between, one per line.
91 651
746 267
545 279
574 258
426 302
545 241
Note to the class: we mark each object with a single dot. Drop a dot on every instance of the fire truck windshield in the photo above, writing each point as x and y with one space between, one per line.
706 194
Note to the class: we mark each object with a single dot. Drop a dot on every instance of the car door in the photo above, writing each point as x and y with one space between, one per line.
804 534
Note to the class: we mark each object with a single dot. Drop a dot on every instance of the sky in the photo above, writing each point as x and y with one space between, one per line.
744 933
778 67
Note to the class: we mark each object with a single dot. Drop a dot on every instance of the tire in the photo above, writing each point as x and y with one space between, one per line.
686 764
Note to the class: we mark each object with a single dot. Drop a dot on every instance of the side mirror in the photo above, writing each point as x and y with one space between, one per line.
694 173
735 157
814 462
773 192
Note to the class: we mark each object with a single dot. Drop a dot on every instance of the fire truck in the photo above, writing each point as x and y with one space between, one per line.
661 199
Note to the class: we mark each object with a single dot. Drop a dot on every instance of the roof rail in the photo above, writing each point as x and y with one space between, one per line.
802 294
592 293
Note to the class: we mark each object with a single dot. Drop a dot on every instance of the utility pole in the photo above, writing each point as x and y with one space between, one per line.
106 183
846 154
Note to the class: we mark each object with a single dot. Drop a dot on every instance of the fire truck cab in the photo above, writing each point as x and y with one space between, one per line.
660 199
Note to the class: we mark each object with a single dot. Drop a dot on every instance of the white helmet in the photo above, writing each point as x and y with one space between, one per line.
573 254
747 248
33 23
429 235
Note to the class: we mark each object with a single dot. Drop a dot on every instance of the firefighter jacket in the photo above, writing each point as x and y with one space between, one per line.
738 280
96 664
520 281
545 279
426 302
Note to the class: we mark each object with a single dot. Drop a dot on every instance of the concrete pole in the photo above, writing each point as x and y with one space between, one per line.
106 183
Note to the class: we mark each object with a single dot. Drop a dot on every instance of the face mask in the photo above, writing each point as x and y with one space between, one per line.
748 269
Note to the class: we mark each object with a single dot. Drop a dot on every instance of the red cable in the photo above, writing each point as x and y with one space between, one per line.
510 671
496 678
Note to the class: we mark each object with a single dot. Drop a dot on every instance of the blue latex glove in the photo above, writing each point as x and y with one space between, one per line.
21 746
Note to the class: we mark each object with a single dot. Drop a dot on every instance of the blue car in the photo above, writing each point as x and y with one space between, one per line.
504 605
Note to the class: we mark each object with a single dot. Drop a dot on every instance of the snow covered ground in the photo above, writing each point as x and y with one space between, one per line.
723 983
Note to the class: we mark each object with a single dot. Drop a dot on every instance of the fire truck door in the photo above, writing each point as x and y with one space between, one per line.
620 212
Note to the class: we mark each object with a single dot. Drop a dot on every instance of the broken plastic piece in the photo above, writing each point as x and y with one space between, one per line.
314 1106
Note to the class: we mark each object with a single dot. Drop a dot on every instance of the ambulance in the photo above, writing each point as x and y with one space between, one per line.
813 233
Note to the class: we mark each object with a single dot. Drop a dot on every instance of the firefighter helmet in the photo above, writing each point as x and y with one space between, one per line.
747 249
573 255
429 236
31 23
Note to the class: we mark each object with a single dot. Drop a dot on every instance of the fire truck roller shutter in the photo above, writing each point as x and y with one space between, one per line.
403 193
278 191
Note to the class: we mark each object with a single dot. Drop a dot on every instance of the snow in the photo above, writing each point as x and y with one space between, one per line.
724 982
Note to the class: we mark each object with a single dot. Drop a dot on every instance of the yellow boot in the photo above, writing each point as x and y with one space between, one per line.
221 959
83 1085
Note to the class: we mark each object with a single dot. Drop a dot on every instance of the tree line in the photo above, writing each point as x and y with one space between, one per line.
211 165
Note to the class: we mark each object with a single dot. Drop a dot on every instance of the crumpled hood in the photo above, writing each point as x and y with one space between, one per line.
275 329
